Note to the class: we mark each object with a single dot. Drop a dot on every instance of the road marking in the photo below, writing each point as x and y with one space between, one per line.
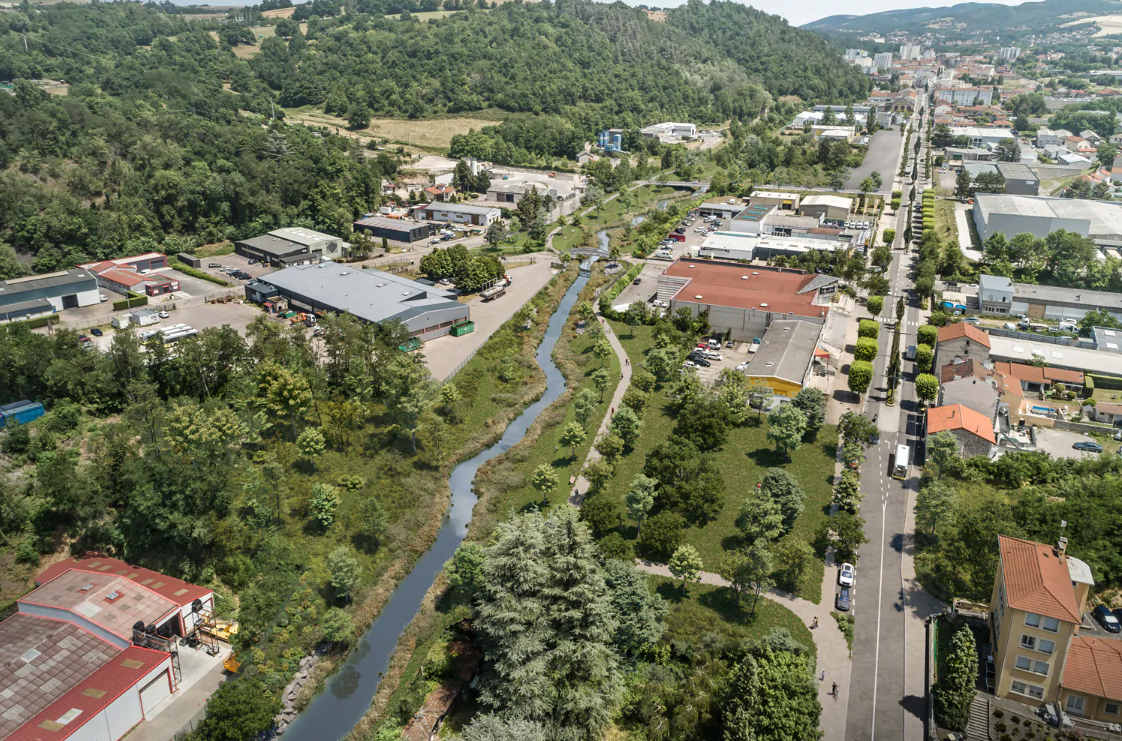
880 592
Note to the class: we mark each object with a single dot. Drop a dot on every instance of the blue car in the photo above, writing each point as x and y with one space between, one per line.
843 600
1089 446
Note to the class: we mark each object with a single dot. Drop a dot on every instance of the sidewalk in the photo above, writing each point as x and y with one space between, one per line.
581 487
833 653
842 400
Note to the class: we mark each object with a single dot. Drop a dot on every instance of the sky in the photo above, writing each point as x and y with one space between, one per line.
799 12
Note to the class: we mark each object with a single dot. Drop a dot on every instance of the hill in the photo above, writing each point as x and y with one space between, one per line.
990 16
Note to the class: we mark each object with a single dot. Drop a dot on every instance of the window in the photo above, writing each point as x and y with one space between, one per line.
1040 667
1024 663
1035 691
1018 687
1032 620
1052 625
1111 708
1031 690
1046 647
1028 642
1075 704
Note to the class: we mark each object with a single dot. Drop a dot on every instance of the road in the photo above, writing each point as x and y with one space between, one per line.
886 699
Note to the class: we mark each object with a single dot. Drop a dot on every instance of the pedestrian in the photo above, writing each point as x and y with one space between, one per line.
613 411
834 691
627 361
823 677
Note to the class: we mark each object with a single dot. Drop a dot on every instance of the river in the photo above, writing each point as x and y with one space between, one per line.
333 713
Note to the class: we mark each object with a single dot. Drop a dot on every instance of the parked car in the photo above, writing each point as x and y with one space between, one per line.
214 265
971 320
1009 325
702 362
846 575
1106 618
730 344
843 601
1089 446
96 332
910 353
84 339
163 315
689 364
714 344
1117 611
637 281
253 261
102 297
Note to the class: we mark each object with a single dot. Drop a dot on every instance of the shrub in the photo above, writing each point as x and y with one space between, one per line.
661 536
927 335
866 349
999 713
1000 727
868 328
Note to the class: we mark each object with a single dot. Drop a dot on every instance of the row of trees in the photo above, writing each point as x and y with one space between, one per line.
1062 258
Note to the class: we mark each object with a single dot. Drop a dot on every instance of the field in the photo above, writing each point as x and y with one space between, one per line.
243 51
1108 24
435 133
742 461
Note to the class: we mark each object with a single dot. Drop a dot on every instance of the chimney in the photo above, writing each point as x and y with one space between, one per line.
1061 547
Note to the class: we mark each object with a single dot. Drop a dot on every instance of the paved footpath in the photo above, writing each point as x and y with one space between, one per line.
581 487
833 653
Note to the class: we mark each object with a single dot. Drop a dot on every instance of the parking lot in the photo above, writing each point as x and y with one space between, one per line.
648 279
236 314
232 261
1057 443
730 357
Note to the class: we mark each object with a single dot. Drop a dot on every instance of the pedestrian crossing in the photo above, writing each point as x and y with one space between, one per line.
892 320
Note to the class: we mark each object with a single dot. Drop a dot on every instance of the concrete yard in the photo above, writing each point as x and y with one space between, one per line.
236 315
445 355
202 675
1057 443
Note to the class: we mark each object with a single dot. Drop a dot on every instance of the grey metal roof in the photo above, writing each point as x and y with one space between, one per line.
372 295
786 351
395 224
461 208
1015 171
994 283
274 245
1090 299
817 282
51 280
23 308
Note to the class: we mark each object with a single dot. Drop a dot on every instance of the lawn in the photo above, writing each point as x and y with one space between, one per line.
743 460
707 609
946 227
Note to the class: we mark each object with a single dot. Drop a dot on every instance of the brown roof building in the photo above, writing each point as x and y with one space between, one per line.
961 341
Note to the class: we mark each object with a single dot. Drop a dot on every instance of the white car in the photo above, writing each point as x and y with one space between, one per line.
689 364
846 575
714 356
163 314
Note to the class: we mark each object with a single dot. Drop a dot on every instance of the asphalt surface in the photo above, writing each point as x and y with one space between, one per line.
880 706
883 157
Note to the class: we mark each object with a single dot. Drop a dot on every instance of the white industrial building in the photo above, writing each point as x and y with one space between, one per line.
982 137
669 131
24 298
1010 215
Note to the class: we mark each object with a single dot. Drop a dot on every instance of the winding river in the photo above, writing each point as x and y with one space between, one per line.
333 713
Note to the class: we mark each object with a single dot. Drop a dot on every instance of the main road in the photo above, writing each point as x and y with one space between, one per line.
886 696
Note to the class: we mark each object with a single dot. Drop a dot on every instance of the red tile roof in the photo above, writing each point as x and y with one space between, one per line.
963 329
1036 579
91 695
176 590
1094 667
969 368
1033 374
959 417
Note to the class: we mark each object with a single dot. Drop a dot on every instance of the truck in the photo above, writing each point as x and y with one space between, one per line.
494 292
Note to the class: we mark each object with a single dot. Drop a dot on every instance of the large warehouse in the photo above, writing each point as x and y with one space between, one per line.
371 295
22 298
1040 215
291 246
399 230
74 664
746 299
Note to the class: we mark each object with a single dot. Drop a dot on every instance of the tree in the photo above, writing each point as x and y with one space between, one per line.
344 570
875 304
868 328
373 521
812 403
847 491
626 424
601 379
636 313
889 236
857 428
927 387
927 334
338 627
501 728
661 536
686 564
610 447
759 394
358 116
942 451
544 603
640 615
584 406
877 178
1008 150
934 503
311 444
782 488
661 362
963 185
689 480
544 480
793 556
598 473
572 436
240 710
760 517
925 357
866 349
465 568
860 376
847 535
602 350
772 695
496 233
409 391
786 427
640 499
325 500
955 689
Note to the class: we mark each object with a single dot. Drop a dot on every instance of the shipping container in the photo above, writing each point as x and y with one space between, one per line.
20 412
459 330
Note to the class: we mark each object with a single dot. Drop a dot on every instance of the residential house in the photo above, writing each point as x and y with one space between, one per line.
960 341
1108 413
1035 379
973 430
1091 137
995 294
978 391
1050 138
1036 609
441 193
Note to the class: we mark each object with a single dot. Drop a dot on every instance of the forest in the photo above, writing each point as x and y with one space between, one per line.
153 144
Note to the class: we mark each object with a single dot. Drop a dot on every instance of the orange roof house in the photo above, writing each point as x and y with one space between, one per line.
1037 580
963 329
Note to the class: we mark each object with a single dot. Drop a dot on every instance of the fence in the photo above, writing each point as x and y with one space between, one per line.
191 725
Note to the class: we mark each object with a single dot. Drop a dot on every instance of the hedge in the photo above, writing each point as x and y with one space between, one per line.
133 301
39 321
194 273
617 288
1103 382
868 328
927 335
